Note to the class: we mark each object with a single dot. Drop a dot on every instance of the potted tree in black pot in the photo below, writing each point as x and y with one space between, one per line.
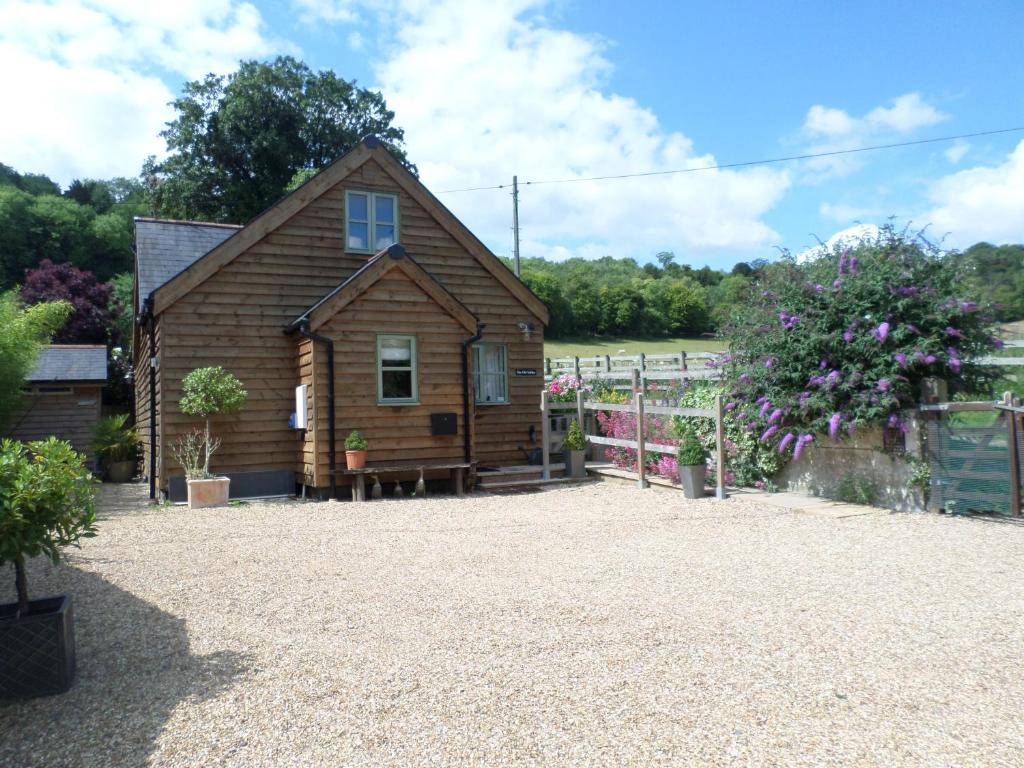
575 448
692 461
46 504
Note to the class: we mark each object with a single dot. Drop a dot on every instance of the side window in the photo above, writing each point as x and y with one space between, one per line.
490 373
396 370
371 221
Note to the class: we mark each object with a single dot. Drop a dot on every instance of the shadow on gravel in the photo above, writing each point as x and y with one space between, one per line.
134 668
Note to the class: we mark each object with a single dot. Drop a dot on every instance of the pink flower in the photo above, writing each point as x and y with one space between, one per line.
800 443
768 433
765 407
833 425
882 332
900 358
776 415
883 385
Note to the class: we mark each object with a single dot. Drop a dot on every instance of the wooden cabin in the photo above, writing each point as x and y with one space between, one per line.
360 293
63 396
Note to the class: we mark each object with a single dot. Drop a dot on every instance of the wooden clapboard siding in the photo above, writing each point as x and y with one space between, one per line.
141 366
235 317
69 415
394 432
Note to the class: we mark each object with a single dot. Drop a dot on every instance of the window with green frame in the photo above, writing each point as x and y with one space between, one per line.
396 370
371 221
490 373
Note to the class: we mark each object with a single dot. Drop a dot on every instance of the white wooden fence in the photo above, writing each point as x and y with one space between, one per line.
640 408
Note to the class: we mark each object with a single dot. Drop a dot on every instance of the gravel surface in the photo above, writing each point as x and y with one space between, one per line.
590 625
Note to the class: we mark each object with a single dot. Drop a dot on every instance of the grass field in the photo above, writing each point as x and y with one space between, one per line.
627 346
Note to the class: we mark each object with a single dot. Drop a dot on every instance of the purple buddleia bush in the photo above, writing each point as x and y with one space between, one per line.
843 341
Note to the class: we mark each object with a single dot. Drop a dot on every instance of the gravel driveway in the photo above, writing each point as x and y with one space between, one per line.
590 625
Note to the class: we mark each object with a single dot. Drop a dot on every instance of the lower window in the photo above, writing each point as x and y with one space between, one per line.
396 369
490 373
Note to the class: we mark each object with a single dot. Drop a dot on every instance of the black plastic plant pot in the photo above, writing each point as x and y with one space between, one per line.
37 650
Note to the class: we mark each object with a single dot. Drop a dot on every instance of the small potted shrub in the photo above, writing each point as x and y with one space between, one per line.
46 503
206 392
692 465
575 447
355 450
117 445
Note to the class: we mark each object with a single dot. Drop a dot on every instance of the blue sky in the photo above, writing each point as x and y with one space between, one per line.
578 89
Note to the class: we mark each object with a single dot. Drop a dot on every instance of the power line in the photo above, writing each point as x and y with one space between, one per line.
747 163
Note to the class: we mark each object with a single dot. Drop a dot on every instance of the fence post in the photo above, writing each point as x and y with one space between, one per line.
641 454
636 380
643 361
545 436
608 363
547 366
576 366
719 448
1014 456
579 410
682 360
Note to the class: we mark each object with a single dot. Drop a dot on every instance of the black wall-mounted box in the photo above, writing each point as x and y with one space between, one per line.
444 424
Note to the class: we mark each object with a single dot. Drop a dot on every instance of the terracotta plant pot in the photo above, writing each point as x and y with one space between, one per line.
208 493
121 471
355 459
691 477
577 464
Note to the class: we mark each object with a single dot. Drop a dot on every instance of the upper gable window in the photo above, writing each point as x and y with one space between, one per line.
371 221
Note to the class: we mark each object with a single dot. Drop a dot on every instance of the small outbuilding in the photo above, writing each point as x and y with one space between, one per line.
63 395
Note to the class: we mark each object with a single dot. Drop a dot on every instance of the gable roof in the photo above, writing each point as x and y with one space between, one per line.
71 362
370 147
165 247
392 257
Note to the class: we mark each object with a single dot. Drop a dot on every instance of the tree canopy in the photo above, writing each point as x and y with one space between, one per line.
238 140
24 331
91 321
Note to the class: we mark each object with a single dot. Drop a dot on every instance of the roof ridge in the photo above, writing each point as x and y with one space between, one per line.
75 346
189 222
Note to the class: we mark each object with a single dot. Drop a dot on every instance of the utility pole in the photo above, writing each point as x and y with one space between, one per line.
515 222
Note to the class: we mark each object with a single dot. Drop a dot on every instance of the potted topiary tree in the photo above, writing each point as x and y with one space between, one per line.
46 503
575 447
692 465
117 445
206 392
355 450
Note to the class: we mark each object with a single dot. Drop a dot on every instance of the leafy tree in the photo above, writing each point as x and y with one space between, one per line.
31 183
844 341
91 321
239 140
46 504
996 274
95 194
547 289
210 392
122 307
24 331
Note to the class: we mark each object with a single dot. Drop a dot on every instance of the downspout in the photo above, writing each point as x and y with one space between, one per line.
468 452
303 329
152 404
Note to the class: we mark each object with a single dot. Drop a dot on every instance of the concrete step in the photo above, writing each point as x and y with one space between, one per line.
526 485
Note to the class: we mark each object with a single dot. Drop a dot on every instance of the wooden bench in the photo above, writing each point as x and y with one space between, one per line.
457 470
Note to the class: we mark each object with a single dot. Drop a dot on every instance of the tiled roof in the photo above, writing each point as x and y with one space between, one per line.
71 362
164 248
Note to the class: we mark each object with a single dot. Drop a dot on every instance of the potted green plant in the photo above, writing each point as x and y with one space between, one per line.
46 503
575 447
117 445
692 461
206 392
355 450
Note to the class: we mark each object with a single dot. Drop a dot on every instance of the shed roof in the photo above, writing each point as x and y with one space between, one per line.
165 247
71 362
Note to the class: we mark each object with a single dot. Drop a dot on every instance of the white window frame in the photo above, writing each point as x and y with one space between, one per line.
478 374
370 221
381 400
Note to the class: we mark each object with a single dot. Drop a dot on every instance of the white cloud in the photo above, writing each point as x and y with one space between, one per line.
843 213
980 203
488 90
828 129
849 238
84 75
956 152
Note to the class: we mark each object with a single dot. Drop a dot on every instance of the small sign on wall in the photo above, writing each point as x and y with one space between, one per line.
526 371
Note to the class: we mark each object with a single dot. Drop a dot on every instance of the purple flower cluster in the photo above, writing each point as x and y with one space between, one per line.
789 322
